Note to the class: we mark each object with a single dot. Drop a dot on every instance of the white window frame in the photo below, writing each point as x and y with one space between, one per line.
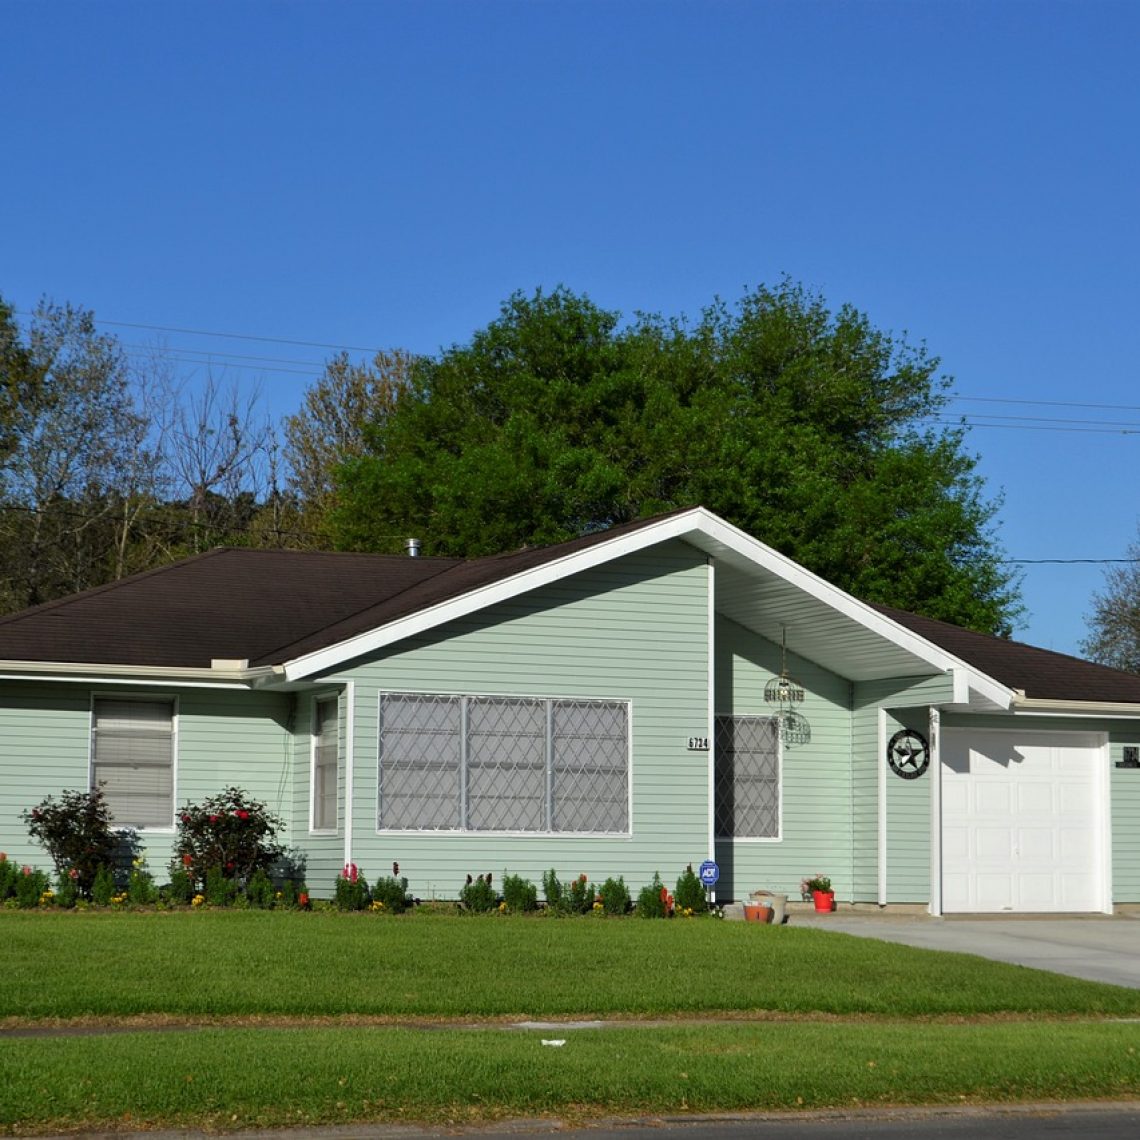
779 836
544 834
317 701
157 698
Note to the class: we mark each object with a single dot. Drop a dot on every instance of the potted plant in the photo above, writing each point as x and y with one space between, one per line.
819 887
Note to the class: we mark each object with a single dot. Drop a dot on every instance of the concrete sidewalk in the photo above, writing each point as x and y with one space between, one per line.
1100 948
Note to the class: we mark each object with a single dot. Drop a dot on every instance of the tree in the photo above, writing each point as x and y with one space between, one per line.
329 429
1114 625
808 428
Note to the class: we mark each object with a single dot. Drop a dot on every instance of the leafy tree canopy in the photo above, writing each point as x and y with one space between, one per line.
808 428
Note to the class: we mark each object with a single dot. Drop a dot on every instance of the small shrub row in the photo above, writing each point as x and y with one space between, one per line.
389 894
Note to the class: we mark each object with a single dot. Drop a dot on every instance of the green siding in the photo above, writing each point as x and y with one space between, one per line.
815 777
908 801
635 630
223 738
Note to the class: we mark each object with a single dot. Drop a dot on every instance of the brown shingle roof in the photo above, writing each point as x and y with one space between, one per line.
264 606
1039 673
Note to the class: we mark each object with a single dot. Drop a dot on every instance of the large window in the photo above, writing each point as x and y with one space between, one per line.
747 777
325 748
503 764
132 756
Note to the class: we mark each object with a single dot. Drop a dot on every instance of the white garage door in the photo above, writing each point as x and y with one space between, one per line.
1022 821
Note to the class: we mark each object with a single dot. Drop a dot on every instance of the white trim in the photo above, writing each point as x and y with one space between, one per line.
934 774
315 700
87 672
881 799
700 528
711 650
1104 797
349 765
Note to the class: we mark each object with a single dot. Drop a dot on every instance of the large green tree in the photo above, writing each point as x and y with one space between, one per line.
807 427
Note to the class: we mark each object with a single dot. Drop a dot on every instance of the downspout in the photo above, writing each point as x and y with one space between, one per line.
881 776
711 686
349 765
935 770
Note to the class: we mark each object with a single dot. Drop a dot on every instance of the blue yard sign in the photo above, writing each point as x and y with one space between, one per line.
709 873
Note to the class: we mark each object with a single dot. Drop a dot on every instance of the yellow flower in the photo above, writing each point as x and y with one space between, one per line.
197 900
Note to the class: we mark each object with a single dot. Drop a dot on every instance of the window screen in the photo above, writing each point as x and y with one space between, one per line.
325 747
419 762
503 764
747 777
133 757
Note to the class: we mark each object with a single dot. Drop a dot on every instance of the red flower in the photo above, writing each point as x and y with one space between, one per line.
185 818
229 866
243 814
187 860
213 819
303 898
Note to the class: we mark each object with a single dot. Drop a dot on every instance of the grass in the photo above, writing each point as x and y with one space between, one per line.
225 1079
76 965
801 1019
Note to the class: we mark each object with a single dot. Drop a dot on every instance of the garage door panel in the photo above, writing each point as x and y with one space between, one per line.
1022 821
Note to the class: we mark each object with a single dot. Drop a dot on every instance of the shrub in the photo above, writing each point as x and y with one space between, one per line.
30 887
141 890
553 892
76 832
219 889
9 873
351 889
477 894
651 899
229 833
391 893
614 895
103 889
580 898
690 895
519 894
67 893
259 891
181 888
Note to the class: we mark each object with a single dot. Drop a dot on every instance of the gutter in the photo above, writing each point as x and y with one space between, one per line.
223 673
1043 706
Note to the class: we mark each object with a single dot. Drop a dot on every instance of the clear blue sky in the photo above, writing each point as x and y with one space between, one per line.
383 175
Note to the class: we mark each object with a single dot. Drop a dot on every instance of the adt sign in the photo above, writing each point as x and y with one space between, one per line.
709 873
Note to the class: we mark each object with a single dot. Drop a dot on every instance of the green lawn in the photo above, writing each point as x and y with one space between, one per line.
814 1020
69 965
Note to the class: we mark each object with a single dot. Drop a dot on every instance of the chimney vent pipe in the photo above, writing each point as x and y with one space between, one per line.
412 546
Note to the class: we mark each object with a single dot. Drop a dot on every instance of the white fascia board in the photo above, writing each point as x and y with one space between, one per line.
485 596
702 529
93 674
1040 706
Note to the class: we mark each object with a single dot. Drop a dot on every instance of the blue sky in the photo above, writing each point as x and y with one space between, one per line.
382 175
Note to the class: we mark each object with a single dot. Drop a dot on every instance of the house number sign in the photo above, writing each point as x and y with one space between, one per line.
698 743
908 754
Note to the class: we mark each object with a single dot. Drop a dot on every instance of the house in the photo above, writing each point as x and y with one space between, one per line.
632 701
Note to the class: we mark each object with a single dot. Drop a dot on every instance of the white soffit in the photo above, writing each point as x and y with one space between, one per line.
757 587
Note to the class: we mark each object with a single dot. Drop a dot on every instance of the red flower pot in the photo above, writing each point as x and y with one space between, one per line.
824 900
757 912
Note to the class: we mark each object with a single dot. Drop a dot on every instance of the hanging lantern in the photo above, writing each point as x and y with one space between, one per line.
784 691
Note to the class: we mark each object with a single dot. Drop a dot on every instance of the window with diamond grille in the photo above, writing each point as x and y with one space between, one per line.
503 764
325 733
747 777
420 740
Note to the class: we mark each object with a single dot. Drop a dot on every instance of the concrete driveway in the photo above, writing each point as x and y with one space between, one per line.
1096 947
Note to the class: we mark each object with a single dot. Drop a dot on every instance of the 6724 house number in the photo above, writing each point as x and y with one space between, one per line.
698 743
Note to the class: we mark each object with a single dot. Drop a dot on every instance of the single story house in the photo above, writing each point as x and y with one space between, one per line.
632 701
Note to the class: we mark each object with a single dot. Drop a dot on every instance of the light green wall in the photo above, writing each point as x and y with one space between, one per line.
635 630
224 738
815 777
